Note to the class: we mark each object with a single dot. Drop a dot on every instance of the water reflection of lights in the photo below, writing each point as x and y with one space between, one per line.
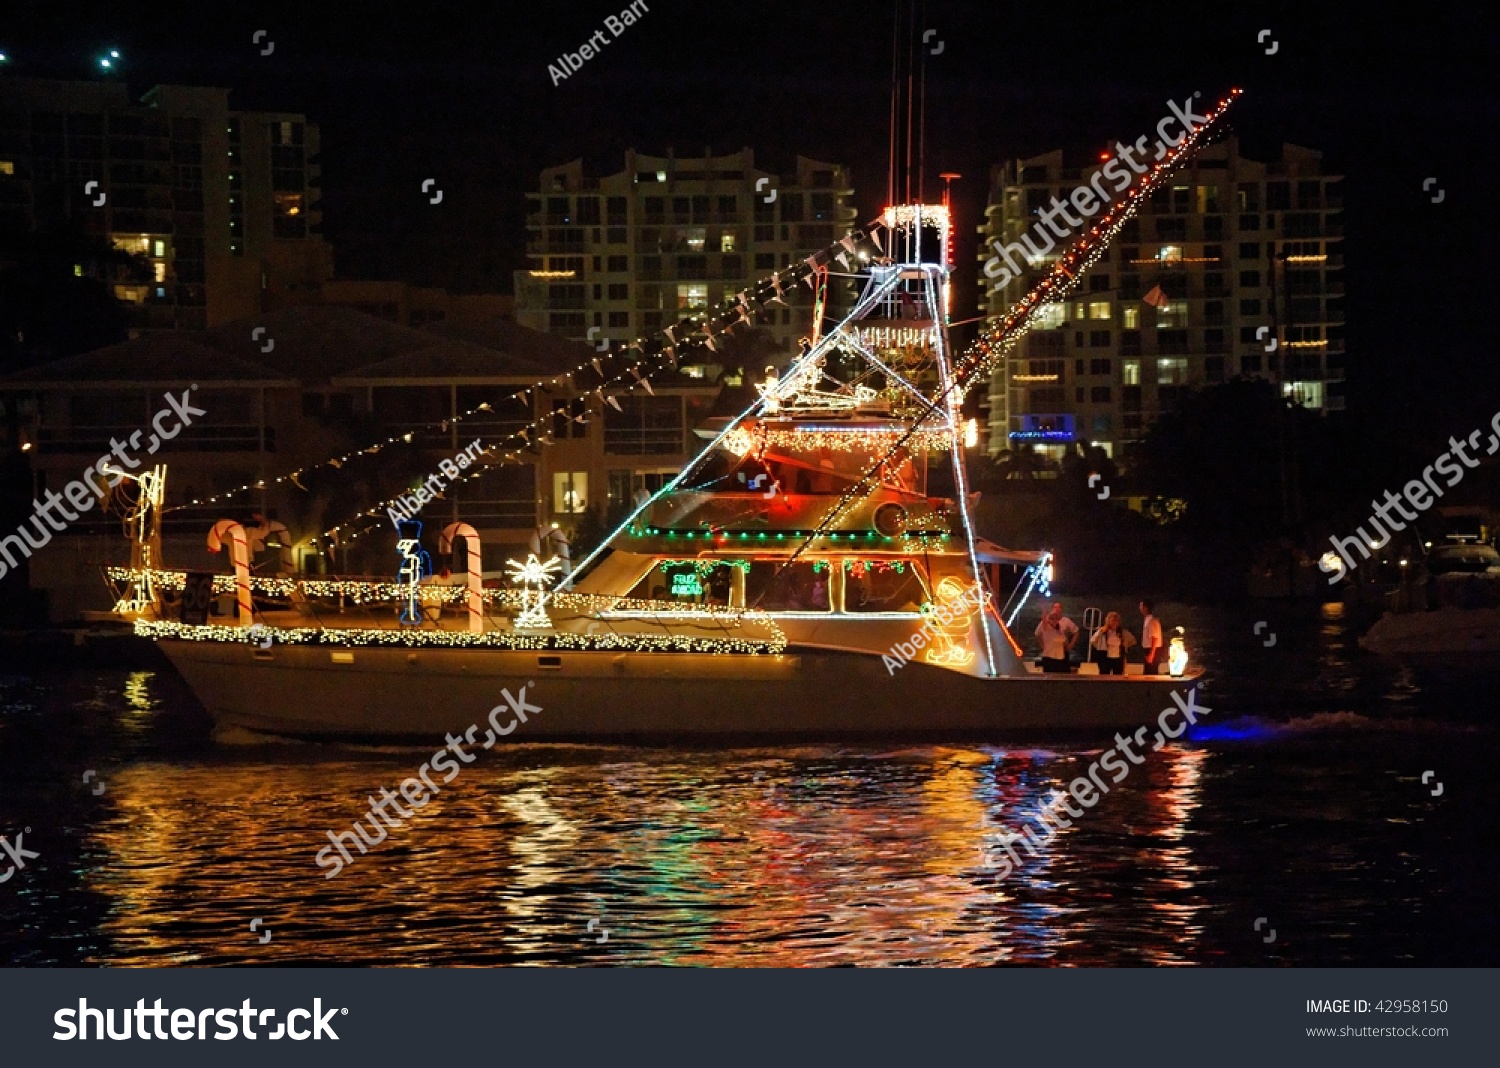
137 712
1174 805
540 852
833 861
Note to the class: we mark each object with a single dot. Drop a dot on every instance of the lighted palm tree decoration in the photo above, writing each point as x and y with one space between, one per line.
535 577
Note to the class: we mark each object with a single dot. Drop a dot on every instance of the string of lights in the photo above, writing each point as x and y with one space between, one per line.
363 592
994 340
726 316
733 312
414 637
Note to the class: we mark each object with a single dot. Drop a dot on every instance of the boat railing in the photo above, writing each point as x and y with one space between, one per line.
338 603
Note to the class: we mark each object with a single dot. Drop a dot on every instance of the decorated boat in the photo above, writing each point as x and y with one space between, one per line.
813 571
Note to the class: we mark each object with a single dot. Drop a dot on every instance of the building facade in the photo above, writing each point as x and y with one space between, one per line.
286 434
222 204
1233 268
619 257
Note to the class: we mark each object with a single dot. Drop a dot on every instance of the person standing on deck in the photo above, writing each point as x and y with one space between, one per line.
1057 633
1109 645
1152 646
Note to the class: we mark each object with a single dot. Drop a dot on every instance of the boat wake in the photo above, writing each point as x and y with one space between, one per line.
1257 728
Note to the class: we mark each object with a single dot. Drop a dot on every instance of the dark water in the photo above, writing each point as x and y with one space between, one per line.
1300 802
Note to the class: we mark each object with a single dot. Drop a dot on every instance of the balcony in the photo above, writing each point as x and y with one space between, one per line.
642 442
507 513
96 440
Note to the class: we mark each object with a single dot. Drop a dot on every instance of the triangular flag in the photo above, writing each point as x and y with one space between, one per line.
610 399
744 315
598 367
710 343
812 262
811 280
843 258
1156 298
668 332
875 237
647 384
671 354
848 242
776 284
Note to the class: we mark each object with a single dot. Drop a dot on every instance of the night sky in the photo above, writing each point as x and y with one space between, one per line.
461 93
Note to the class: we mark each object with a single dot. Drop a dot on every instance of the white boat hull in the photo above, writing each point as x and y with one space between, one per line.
319 692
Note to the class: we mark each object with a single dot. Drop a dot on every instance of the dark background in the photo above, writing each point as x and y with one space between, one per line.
461 93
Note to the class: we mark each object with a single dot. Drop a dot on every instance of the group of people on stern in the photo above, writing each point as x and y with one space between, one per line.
1058 634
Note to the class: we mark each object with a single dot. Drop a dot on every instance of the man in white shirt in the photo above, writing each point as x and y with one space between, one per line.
1152 646
1057 633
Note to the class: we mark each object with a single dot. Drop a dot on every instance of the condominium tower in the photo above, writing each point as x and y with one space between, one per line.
619 257
1233 267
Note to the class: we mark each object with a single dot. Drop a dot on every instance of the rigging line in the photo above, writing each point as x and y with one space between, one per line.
911 48
873 294
895 83
922 132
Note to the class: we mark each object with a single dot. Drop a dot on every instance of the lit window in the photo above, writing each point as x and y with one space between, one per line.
1170 254
1078 309
77 270
1172 314
1130 374
1131 318
1306 394
691 297
1099 309
661 176
693 238
7 167
289 204
726 243
160 272
1171 371
161 249
570 490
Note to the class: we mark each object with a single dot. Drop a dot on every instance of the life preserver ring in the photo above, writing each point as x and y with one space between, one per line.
890 519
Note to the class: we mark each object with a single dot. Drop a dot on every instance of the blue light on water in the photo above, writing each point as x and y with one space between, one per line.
1239 730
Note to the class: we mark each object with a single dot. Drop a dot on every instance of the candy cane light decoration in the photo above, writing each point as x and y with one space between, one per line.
476 579
239 555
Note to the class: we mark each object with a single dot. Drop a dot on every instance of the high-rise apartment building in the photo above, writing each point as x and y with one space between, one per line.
622 256
1234 267
222 203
